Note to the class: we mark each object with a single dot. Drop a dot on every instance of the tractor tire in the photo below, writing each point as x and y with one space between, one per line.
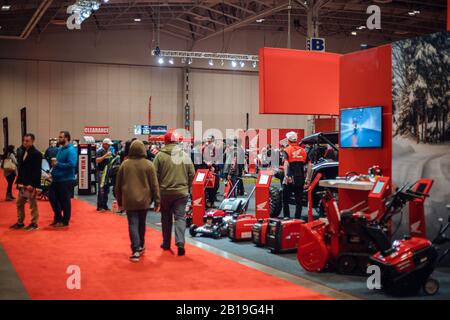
276 203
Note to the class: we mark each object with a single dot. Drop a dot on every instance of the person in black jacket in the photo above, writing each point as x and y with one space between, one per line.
28 181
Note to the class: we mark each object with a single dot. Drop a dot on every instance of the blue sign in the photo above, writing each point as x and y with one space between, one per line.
158 130
315 44
147 130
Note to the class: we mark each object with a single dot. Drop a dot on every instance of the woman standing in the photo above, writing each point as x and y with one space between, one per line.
9 166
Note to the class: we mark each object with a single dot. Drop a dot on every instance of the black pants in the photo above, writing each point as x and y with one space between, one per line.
297 190
10 179
59 196
211 193
240 187
102 196
136 228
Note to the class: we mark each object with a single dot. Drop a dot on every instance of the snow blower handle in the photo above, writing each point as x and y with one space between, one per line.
247 202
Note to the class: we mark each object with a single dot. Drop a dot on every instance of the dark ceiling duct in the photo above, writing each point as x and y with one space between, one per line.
32 22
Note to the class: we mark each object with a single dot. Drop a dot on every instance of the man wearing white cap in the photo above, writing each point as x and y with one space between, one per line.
104 156
295 159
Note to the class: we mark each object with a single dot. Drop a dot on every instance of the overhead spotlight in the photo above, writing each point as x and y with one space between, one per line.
211 62
183 60
234 64
242 63
171 61
137 19
190 61
354 33
361 27
254 64
161 60
260 20
105 1
222 62
6 7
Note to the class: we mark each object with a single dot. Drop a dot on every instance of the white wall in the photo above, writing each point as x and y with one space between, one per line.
70 96
71 79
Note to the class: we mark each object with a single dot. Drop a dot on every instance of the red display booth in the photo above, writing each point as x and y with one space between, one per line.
314 83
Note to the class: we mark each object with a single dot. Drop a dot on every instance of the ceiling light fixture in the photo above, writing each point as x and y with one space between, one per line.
354 33
260 20
161 60
137 19
6 7
242 63
233 64
190 61
211 62
361 27
171 61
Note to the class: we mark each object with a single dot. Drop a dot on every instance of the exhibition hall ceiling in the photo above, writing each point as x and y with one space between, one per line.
198 20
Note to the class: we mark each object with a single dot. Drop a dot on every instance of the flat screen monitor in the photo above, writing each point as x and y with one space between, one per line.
361 127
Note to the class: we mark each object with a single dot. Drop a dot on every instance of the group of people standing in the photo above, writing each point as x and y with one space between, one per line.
24 169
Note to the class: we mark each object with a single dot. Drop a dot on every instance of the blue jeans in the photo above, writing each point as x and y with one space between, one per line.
136 228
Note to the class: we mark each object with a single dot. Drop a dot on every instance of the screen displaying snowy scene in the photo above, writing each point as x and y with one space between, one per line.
361 127
421 120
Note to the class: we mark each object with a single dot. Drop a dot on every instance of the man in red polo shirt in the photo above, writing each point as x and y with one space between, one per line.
295 159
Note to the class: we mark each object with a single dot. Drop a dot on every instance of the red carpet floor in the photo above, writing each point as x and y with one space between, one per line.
99 245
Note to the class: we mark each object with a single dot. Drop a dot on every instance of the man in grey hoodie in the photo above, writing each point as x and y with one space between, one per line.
175 173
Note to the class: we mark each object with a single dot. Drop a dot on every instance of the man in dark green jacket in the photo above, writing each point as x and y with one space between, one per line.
175 173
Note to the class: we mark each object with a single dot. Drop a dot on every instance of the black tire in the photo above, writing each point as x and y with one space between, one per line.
346 264
276 204
192 230
431 287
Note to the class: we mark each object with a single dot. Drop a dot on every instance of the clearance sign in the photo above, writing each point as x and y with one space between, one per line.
96 130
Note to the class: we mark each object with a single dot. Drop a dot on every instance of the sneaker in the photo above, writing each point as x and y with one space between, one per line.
141 250
61 225
164 247
181 251
106 209
53 224
99 209
31 227
135 257
17 226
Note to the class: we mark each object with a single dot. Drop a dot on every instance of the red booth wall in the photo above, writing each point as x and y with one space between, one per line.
298 82
366 80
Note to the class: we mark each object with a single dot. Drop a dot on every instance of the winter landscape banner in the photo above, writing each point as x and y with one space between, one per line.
421 116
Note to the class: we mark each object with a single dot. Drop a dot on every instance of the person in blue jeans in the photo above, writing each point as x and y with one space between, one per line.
63 177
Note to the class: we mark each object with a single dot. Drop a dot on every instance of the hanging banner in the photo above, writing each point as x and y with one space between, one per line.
23 121
96 130
5 133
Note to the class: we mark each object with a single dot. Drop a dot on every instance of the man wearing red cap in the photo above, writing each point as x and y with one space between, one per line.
175 173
